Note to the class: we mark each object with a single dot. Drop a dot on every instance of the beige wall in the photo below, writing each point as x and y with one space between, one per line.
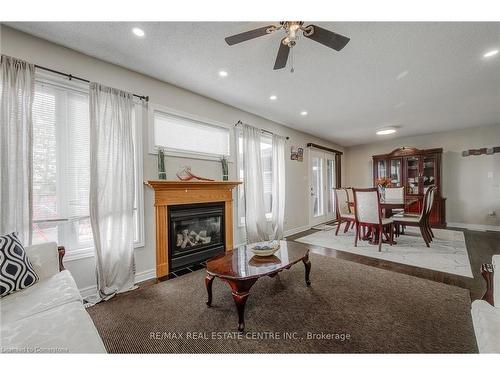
471 184
44 53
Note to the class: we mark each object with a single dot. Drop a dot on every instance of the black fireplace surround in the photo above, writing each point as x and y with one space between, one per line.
196 233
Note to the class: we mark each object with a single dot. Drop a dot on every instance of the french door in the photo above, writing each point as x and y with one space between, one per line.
321 186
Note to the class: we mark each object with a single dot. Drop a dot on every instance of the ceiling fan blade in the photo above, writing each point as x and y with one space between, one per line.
247 35
282 57
327 38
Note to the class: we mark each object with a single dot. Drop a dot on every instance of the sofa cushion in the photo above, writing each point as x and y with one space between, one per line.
486 320
66 328
16 271
44 258
44 295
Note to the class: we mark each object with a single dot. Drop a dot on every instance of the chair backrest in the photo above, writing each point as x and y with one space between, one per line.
341 199
350 194
395 193
427 202
367 206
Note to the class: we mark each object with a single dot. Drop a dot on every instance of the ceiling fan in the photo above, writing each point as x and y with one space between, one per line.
292 28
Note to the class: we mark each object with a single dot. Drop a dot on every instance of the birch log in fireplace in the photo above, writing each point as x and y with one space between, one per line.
194 219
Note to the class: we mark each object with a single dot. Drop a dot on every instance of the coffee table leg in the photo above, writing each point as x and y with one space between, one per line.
208 283
307 265
241 290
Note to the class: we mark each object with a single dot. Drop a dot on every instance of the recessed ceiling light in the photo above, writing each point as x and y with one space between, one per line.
223 73
137 31
303 113
386 131
273 97
491 53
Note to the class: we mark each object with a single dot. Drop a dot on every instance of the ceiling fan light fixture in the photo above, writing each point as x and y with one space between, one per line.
222 73
303 113
273 97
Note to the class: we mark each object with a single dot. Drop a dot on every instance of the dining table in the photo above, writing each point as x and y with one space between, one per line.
387 205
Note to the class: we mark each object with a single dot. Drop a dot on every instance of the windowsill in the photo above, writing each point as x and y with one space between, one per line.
268 219
192 155
88 252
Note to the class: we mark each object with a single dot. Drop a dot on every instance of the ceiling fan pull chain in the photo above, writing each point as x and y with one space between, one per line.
292 61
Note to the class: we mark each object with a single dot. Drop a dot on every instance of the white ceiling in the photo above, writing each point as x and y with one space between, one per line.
423 77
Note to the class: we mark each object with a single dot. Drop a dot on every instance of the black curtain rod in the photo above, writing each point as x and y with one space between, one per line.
70 76
262 130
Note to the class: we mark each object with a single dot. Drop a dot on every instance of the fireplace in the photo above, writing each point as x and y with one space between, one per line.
195 233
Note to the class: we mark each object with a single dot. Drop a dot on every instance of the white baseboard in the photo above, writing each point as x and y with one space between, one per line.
88 292
291 232
145 275
480 227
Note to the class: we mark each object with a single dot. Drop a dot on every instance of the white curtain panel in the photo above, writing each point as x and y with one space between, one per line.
278 202
17 85
112 188
255 216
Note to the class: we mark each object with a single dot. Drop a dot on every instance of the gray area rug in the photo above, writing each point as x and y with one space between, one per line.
350 308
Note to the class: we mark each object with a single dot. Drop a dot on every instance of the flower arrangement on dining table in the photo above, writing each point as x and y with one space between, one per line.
384 182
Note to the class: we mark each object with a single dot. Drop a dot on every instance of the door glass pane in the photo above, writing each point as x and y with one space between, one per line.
396 172
429 173
330 175
412 174
382 169
317 183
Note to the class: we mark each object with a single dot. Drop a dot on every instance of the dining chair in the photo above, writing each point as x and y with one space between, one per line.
369 214
422 220
342 208
350 198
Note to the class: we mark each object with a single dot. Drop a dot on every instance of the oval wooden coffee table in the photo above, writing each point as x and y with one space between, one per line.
241 269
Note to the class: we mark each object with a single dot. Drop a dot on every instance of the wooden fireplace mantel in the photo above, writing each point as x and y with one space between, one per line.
188 192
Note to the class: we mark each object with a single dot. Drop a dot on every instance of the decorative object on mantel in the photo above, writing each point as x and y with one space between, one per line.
225 169
481 151
297 153
185 174
382 183
162 173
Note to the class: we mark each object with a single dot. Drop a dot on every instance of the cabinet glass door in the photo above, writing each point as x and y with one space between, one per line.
381 169
429 172
396 179
412 175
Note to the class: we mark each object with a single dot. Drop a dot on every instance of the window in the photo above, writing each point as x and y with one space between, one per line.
61 167
183 135
266 154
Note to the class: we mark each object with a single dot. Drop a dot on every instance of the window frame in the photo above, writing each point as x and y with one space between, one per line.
60 82
153 150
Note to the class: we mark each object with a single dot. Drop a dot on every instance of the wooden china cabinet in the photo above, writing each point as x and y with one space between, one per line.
416 170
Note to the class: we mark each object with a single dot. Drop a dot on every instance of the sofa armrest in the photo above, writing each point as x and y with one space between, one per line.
487 273
46 259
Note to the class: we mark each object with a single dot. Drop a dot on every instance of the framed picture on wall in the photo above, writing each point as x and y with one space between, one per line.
297 153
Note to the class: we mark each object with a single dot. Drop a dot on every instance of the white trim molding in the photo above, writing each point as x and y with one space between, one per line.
478 227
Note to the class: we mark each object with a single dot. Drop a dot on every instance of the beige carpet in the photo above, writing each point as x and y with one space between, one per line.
362 309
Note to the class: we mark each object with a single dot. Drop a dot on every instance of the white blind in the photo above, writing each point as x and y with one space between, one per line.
182 134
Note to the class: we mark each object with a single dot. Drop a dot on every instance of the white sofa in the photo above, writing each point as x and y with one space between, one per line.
49 316
486 312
